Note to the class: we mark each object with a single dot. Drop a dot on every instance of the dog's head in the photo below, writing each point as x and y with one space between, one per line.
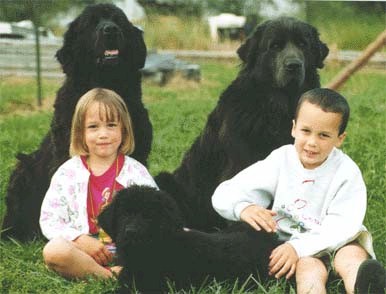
140 215
101 37
283 52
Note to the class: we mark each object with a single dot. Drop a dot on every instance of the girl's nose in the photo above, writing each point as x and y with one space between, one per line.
102 132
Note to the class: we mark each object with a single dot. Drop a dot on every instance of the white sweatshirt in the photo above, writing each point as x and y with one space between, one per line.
318 210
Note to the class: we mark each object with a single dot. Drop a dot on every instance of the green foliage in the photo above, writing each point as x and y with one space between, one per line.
178 112
174 7
348 25
39 11
340 24
175 31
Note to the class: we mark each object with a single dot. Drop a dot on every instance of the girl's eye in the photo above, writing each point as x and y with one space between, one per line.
91 126
112 124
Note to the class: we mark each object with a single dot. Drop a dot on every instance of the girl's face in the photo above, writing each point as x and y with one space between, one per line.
102 137
316 133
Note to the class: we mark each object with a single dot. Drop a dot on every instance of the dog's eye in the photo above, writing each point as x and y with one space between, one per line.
274 45
302 44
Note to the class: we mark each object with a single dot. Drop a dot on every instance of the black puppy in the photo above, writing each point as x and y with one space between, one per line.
252 118
154 247
101 49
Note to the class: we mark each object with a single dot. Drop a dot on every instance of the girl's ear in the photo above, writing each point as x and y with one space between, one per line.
293 128
341 138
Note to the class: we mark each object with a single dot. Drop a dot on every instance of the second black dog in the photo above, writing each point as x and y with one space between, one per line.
253 116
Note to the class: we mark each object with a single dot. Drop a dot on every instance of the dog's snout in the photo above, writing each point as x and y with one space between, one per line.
293 64
110 28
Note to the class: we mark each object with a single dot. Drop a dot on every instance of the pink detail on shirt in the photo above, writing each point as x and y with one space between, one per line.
308 181
100 187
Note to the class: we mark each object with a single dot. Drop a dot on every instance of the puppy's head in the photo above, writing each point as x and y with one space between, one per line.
140 214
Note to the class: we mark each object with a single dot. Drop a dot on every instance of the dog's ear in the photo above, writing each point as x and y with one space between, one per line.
247 51
65 55
171 220
138 48
107 219
321 50
243 50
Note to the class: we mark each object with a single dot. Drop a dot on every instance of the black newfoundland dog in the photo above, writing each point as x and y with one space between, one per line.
101 49
155 249
252 118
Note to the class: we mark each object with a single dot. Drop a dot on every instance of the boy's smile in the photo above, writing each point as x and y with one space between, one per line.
316 133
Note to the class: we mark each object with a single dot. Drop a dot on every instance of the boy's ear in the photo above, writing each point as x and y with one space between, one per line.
341 138
293 128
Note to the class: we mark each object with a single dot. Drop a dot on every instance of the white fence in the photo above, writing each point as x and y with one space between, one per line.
17 57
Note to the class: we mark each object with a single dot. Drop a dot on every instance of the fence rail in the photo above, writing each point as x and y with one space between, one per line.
17 57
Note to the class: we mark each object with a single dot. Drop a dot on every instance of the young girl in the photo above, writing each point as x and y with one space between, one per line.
101 135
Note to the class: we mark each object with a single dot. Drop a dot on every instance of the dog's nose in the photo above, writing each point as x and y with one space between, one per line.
110 28
293 65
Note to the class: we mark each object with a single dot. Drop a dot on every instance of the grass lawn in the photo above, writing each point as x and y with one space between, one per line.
178 112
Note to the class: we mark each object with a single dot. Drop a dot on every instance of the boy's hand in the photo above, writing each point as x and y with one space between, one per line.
259 218
283 261
94 248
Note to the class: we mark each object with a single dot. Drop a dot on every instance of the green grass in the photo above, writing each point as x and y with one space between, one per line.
178 112
20 94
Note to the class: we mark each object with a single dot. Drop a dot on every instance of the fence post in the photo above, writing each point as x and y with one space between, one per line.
350 69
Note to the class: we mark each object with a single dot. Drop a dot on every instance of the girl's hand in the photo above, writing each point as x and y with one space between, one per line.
259 218
94 248
283 261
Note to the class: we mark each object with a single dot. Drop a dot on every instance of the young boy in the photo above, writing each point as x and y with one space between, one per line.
319 201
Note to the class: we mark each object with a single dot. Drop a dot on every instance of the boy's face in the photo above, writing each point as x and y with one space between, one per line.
316 132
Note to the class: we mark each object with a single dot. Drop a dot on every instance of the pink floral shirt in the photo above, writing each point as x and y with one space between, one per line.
64 208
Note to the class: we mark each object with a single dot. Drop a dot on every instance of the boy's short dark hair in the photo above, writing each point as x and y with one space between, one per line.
329 101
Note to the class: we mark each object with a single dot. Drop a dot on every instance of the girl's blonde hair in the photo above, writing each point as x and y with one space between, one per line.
113 107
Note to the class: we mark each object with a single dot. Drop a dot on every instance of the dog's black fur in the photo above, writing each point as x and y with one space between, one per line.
252 118
154 248
87 65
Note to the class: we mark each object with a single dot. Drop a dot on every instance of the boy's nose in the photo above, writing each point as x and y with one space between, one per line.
312 141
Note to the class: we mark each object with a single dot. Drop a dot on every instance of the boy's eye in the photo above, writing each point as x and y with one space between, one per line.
325 135
305 130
